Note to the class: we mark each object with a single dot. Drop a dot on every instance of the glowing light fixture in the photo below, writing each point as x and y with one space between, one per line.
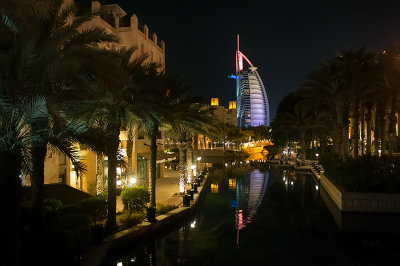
119 182
193 224
214 188
232 183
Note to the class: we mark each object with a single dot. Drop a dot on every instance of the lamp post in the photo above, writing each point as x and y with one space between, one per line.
317 155
132 180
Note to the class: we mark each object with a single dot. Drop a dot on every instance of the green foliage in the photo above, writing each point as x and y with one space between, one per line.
52 208
72 232
95 207
52 205
136 198
364 174
164 208
128 218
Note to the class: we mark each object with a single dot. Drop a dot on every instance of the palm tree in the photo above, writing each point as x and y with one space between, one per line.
189 116
51 55
116 100
15 154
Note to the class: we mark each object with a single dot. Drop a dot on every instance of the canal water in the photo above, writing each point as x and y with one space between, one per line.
257 215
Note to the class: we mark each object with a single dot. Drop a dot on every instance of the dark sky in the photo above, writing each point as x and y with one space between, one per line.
285 39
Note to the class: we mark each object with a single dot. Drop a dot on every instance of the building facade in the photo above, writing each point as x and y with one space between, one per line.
251 97
58 167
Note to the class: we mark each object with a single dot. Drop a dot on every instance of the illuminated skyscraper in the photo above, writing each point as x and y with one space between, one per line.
251 97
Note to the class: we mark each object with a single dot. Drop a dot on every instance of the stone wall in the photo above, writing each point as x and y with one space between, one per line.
361 202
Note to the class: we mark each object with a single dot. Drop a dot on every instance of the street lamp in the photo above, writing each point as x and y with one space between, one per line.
317 155
132 179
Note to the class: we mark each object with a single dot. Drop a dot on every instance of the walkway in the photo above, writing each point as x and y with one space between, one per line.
166 190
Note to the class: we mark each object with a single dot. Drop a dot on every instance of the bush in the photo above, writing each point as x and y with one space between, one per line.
164 208
128 218
51 209
136 198
71 234
364 174
95 207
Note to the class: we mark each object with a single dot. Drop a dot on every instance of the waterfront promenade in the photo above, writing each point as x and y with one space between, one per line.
166 190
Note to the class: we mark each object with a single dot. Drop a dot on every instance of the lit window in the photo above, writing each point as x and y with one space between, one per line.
214 188
232 183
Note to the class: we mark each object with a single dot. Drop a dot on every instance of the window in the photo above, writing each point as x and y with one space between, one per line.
141 167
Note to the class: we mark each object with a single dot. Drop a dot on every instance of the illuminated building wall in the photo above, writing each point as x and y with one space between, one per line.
131 32
252 99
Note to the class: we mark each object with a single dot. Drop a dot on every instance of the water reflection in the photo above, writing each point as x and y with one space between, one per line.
250 191
255 218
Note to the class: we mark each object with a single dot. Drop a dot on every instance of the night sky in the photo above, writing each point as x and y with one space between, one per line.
286 40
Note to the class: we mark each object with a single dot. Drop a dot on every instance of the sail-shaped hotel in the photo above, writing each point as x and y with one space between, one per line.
251 97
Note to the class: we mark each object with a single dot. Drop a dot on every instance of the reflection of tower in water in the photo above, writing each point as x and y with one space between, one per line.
250 191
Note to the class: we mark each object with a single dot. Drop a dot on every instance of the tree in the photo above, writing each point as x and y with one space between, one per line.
49 53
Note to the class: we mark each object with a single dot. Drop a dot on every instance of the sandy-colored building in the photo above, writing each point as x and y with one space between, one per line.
226 116
58 168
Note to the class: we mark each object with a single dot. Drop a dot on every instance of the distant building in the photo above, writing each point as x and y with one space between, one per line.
251 97
226 116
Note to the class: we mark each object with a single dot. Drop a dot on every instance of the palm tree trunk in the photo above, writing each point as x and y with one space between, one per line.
182 142
99 173
39 151
362 128
129 150
392 125
345 136
113 142
354 126
153 164
303 147
189 160
379 125
368 118
10 201
181 168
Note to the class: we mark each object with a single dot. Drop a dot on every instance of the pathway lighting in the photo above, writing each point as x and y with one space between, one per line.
317 154
193 224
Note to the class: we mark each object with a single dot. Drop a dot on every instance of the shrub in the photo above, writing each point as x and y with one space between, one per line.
128 218
96 208
164 208
136 198
364 174
51 209
71 234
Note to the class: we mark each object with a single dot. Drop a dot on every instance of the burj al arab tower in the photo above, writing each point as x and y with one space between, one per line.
251 97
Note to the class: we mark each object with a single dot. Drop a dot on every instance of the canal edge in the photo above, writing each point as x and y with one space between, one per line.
97 253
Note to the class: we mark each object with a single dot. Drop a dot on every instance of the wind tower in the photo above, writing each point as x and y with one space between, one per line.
251 97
